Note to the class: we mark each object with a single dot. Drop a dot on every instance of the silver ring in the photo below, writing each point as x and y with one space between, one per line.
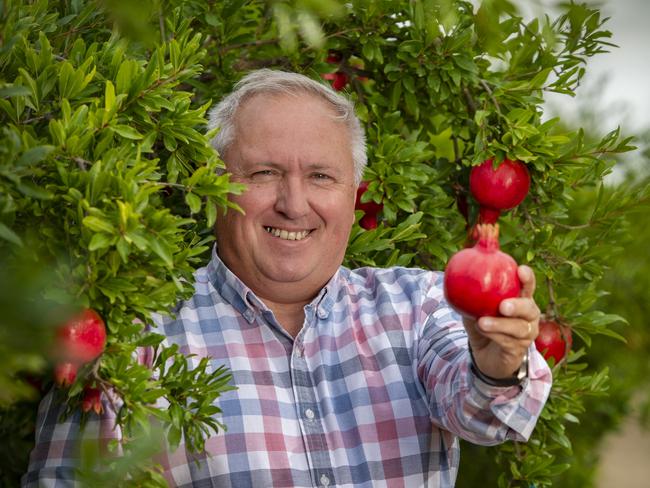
530 327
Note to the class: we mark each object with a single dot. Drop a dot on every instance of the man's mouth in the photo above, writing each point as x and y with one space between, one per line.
288 235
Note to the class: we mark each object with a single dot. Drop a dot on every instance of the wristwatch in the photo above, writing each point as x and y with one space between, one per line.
516 379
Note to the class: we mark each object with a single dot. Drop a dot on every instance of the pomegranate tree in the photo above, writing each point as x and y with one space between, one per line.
77 342
498 189
553 340
478 278
371 209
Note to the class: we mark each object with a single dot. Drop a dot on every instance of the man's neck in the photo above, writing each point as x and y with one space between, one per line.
291 316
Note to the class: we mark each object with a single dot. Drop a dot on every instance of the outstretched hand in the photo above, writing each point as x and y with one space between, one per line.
499 343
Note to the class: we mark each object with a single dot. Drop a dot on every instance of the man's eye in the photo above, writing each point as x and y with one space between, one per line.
321 176
263 173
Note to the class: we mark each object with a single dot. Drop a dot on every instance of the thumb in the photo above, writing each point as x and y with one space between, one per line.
527 278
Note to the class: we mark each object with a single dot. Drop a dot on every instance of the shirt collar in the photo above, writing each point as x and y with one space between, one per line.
240 296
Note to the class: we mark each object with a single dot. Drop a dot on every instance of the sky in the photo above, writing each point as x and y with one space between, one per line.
625 71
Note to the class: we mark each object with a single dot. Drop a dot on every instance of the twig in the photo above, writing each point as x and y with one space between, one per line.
259 42
82 163
491 95
471 104
551 308
161 22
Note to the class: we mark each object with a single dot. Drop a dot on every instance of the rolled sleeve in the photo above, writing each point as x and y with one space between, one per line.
463 404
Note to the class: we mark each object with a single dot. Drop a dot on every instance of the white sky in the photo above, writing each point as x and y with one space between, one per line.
625 98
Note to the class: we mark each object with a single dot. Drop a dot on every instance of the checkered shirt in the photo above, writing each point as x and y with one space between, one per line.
374 391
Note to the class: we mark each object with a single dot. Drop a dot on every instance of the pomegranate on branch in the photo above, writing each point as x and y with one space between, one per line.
338 79
371 209
554 340
92 400
77 342
478 278
498 189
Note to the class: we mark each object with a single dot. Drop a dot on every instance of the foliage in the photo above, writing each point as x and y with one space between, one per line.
103 168
107 179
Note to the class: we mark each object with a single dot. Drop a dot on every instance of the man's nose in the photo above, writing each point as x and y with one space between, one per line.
292 199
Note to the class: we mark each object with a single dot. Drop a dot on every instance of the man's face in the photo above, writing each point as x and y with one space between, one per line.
296 162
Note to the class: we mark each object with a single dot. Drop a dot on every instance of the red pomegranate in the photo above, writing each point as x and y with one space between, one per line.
553 340
478 278
92 400
80 340
65 373
371 209
498 189
338 79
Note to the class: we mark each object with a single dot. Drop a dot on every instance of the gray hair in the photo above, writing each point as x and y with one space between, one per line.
223 114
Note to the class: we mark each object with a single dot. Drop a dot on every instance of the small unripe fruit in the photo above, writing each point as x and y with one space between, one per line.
92 400
65 374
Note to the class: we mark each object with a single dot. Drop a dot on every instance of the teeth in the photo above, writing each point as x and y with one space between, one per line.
285 234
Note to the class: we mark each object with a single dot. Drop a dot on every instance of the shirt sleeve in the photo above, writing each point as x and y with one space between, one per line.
56 455
463 404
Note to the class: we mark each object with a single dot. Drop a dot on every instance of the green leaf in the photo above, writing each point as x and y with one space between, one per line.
194 202
126 131
98 224
31 190
9 235
14 91
162 250
34 155
150 339
100 241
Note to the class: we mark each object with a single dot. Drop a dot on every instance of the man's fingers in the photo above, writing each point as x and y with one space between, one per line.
524 308
517 329
527 278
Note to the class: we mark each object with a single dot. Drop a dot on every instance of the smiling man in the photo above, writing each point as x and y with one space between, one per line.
350 378
295 158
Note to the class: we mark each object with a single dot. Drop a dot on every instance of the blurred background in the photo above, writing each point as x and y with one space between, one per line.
615 92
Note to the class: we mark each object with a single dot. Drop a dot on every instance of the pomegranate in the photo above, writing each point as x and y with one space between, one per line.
92 400
371 209
553 340
65 373
80 340
478 278
338 79
498 189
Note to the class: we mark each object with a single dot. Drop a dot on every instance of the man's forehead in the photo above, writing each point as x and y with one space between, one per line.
271 101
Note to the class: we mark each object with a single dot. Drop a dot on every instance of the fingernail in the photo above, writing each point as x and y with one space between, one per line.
486 324
506 308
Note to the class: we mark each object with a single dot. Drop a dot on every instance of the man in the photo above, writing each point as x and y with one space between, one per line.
344 378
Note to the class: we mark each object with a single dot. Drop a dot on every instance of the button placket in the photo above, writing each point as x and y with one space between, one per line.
307 406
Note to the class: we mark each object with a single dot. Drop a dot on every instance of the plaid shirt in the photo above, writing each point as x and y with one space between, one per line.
373 392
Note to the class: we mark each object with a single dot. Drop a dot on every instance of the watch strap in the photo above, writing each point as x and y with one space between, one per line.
516 379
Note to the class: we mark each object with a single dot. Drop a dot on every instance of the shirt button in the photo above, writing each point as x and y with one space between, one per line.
297 351
309 413
325 480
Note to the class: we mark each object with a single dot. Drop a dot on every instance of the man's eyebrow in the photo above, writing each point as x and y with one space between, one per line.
321 166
